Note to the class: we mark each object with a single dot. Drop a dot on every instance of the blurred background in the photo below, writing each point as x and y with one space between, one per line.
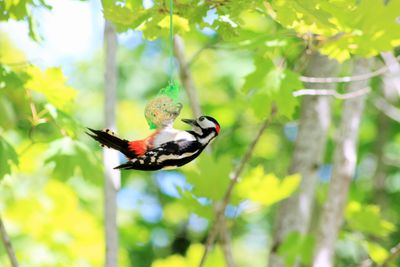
244 57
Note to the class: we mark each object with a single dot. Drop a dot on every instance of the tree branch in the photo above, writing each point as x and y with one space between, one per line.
198 52
388 109
225 243
7 244
346 79
331 92
220 207
186 76
188 83
394 253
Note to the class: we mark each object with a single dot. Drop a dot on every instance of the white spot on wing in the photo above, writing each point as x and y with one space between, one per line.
173 156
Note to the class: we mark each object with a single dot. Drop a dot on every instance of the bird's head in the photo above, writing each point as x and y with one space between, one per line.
204 126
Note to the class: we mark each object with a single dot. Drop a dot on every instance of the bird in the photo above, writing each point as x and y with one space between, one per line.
165 148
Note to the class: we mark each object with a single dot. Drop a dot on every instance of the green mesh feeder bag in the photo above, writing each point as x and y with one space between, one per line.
164 108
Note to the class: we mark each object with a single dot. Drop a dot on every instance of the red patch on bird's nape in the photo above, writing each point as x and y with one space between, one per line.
217 128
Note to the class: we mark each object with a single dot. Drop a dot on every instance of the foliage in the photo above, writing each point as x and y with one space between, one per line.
67 155
22 10
216 170
344 28
297 246
51 84
192 258
267 189
273 85
54 236
8 156
246 58
367 220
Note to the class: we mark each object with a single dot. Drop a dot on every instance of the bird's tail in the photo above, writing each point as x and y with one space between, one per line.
105 138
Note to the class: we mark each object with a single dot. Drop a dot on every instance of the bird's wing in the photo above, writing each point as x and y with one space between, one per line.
170 154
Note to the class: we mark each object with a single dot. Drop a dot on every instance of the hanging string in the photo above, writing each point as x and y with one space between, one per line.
171 41
163 109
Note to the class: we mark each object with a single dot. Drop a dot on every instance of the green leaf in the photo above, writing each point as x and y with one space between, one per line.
180 24
8 115
284 98
297 246
51 83
255 79
211 177
271 85
8 156
9 78
376 252
267 189
367 219
33 34
130 16
290 248
344 28
68 156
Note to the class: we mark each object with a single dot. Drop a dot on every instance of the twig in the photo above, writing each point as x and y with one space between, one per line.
330 92
198 52
391 161
188 84
346 79
388 109
186 76
7 244
220 207
394 253
225 242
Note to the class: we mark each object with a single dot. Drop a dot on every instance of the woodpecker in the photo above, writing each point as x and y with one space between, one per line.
165 148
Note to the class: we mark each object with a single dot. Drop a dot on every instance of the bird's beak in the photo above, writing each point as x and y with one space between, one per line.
190 122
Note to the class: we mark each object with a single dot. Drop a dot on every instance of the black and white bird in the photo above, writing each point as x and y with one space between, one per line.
165 148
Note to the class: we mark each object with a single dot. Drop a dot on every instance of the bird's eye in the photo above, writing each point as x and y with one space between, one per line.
201 119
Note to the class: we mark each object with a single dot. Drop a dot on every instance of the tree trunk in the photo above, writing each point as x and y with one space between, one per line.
391 91
112 177
344 164
294 213
392 78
